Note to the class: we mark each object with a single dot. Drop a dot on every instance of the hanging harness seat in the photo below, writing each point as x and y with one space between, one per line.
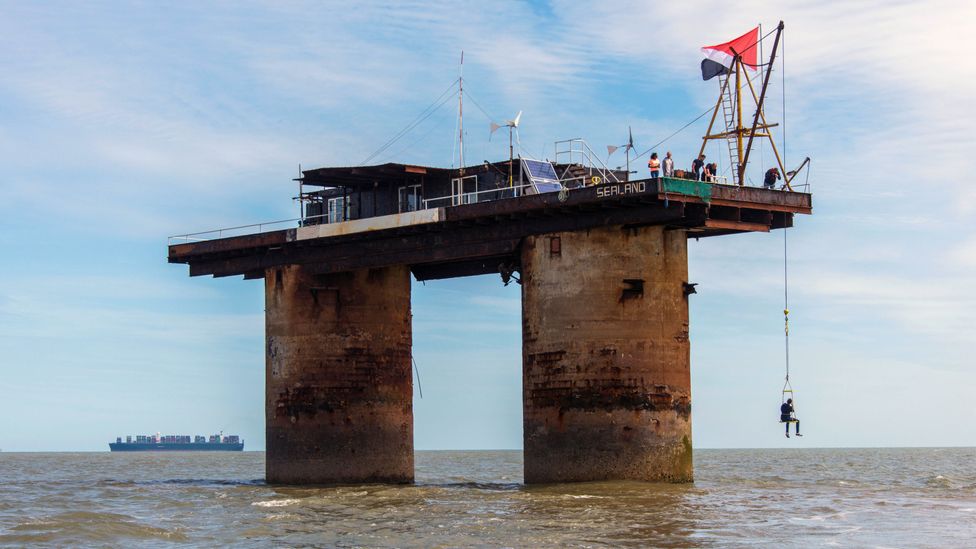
787 394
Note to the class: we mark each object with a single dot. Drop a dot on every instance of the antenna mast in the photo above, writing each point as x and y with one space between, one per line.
461 115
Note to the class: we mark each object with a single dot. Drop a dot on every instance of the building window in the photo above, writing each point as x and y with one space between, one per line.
338 209
411 198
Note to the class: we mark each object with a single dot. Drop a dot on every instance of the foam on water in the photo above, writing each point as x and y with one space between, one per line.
276 503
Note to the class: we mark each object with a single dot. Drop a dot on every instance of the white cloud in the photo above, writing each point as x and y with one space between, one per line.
964 254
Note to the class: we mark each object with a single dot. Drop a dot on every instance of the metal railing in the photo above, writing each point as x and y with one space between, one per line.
576 151
240 230
258 228
474 197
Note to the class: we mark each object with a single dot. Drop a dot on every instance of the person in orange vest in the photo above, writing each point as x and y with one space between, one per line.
655 165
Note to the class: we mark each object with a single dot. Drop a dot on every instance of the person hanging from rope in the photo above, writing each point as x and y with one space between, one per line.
787 415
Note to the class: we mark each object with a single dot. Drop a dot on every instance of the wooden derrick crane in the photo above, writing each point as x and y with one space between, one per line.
737 134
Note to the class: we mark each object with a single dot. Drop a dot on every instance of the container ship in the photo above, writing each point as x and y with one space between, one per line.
177 443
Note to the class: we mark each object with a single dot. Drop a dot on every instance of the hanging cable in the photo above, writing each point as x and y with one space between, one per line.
786 306
417 369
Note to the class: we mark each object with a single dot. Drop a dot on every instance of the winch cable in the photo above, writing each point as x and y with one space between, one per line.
787 388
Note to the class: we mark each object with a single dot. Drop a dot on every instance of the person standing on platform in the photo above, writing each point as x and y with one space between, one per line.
697 165
668 165
772 176
709 173
655 165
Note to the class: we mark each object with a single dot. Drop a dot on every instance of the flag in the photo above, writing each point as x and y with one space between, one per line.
710 69
718 58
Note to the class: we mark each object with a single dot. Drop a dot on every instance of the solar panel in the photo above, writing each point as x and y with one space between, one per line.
539 169
542 175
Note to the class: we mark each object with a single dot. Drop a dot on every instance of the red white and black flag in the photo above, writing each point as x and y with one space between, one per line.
718 58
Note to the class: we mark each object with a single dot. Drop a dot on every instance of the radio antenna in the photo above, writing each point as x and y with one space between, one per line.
461 115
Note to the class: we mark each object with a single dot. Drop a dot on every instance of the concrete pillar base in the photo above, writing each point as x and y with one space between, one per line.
339 393
606 356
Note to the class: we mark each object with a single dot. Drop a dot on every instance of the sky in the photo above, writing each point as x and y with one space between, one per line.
124 123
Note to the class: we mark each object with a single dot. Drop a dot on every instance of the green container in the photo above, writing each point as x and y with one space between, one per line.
688 187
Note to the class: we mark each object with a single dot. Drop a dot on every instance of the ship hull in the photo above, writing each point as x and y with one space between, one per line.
175 447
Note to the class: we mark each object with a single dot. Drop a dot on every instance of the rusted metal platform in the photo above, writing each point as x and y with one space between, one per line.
473 239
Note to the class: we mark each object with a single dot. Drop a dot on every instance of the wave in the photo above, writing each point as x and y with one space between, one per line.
276 502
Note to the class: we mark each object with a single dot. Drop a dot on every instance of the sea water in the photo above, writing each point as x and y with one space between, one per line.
793 498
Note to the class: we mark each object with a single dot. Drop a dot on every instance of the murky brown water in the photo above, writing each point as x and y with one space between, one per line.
849 497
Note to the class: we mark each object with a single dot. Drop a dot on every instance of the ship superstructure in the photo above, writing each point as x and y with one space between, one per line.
180 443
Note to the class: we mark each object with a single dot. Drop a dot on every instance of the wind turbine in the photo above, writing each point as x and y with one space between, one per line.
511 125
627 148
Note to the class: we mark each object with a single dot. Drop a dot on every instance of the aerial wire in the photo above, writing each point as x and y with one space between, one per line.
411 145
407 130
426 113
478 105
663 141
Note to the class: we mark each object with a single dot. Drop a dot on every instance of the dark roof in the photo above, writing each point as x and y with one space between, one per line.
363 176
366 176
